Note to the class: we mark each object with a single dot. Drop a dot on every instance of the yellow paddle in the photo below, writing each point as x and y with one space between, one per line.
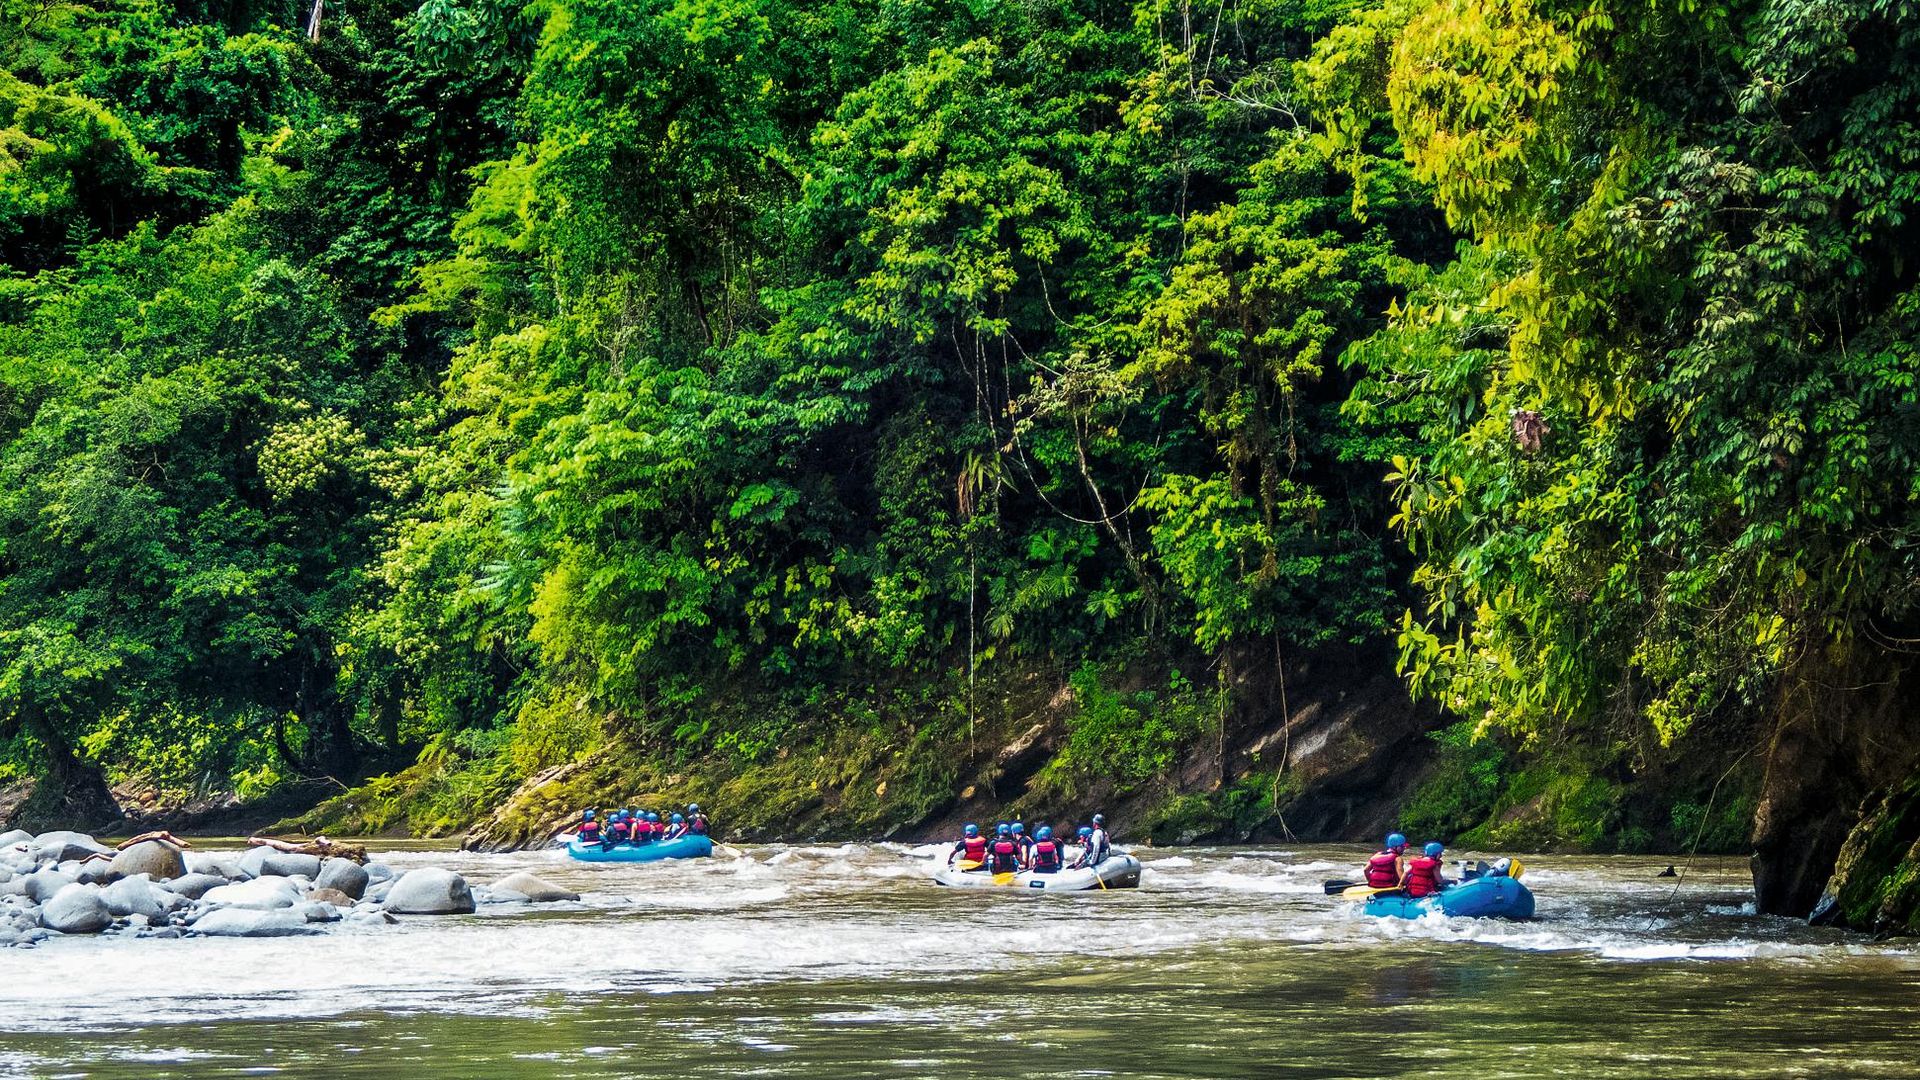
1003 878
1362 892
1515 868
970 864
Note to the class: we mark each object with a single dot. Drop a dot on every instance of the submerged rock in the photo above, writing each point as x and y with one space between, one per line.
157 859
246 922
430 891
533 888
76 909
343 875
331 896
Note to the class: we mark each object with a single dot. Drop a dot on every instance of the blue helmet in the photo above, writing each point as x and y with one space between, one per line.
973 830
1099 819
626 815
1045 833
1004 829
653 817
1019 827
1434 848
677 819
589 815
1395 841
1086 830
693 808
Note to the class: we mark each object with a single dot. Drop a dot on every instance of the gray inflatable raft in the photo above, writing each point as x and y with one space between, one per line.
1117 871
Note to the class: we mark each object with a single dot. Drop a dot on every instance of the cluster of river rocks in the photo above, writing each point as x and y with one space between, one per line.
66 883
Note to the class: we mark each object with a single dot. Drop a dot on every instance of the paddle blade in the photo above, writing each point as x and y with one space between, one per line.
1515 868
1337 886
1003 879
969 864
1362 892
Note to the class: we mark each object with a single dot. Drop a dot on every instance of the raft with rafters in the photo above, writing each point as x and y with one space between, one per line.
691 846
1481 898
1117 871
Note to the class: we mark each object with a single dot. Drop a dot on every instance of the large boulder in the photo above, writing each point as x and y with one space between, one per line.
246 922
533 888
379 872
62 845
76 909
89 871
157 859
344 875
266 862
430 891
15 836
260 894
135 896
194 886
41 887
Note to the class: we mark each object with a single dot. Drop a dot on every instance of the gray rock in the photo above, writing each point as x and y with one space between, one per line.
15 836
219 864
245 922
62 845
194 886
134 896
41 886
165 933
379 872
344 875
430 891
370 918
318 911
76 909
533 888
261 894
377 892
330 896
93 871
157 859
266 862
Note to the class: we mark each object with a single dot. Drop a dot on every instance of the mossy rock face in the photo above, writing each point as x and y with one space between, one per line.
1876 879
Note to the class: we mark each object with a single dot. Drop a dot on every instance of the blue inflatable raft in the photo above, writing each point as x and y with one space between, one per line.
686 847
1481 898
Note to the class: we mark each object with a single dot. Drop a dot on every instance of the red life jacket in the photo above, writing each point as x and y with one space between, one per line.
1383 871
621 831
1046 855
698 825
589 830
1004 856
974 848
1423 877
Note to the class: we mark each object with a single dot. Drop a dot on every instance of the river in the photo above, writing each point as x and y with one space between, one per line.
840 961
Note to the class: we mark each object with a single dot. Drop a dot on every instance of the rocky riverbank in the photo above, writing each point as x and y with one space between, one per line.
60 883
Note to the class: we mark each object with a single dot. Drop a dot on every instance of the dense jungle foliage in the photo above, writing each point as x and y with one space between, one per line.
477 383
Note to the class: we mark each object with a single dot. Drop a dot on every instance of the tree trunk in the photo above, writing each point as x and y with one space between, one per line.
72 792
1836 740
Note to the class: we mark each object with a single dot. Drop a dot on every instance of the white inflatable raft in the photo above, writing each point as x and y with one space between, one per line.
1117 871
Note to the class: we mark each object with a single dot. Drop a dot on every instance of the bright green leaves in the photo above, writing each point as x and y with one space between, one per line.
1670 455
